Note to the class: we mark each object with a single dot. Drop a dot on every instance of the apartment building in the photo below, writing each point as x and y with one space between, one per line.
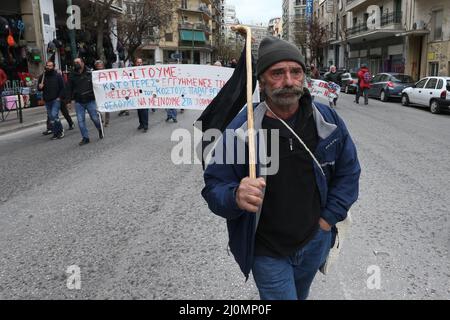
259 32
275 27
293 10
189 38
427 38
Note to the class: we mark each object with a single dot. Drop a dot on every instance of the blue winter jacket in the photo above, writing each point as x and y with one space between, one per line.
337 179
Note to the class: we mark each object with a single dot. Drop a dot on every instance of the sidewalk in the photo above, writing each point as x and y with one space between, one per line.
31 117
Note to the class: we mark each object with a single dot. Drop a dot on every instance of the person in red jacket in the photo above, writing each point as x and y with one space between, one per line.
364 78
3 79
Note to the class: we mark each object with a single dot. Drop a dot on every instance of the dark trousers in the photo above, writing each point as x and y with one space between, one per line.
362 92
143 118
66 115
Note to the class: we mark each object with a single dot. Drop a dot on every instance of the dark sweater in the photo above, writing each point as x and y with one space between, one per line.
53 86
80 86
291 208
334 77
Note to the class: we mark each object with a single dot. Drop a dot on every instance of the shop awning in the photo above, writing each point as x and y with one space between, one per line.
189 35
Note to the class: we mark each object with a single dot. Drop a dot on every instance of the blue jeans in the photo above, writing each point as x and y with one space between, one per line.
171 113
81 109
291 277
143 118
53 114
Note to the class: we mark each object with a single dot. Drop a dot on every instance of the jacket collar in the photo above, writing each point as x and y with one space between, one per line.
324 128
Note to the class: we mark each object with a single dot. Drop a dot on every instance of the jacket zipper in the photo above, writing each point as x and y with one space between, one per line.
291 144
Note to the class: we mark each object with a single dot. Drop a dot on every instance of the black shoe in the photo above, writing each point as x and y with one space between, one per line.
140 127
145 130
100 133
126 113
153 110
71 127
54 137
47 132
168 118
182 110
84 141
175 120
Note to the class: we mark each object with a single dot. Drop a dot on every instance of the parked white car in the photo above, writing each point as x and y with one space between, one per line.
432 92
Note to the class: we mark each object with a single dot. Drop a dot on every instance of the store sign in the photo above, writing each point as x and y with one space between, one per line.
374 19
309 9
158 86
330 6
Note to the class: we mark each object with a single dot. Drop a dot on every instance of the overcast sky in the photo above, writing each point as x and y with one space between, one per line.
256 11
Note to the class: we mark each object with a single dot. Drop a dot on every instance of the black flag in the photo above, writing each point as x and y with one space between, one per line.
229 101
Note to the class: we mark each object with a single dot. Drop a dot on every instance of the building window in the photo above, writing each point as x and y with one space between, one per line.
299 12
434 68
437 24
184 4
169 37
46 19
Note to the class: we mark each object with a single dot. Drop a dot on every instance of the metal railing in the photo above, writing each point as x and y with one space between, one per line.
361 27
201 9
386 19
194 26
391 17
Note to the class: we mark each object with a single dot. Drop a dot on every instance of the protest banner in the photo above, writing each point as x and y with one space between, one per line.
322 88
179 86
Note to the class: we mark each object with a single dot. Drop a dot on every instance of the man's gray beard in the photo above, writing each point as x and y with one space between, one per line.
276 96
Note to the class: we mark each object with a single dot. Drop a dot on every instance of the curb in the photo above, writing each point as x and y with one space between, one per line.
29 125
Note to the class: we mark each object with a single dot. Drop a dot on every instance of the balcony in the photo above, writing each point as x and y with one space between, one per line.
359 4
386 19
394 17
359 28
203 9
194 26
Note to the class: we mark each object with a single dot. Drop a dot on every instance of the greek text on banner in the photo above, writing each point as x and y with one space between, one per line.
178 86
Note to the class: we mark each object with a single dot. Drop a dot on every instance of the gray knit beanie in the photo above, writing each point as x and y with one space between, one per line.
273 50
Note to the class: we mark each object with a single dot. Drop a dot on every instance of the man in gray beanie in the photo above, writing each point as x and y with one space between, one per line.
281 225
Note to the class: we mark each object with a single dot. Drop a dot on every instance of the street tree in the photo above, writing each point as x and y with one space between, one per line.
143 22
97 15
310 37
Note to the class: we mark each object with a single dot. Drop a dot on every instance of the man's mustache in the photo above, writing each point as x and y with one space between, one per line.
288 90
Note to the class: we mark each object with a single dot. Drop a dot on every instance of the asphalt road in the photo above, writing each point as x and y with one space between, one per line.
137 227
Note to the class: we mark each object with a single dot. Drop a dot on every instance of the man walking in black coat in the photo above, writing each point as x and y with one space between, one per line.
52 85
80 90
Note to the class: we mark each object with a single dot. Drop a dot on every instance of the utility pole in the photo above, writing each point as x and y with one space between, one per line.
73 45
193 35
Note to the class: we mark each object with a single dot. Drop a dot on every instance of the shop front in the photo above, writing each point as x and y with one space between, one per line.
386 55
20 56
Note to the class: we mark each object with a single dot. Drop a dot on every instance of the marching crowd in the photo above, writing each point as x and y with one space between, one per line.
79 91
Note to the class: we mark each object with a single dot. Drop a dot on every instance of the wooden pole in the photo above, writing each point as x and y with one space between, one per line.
250 119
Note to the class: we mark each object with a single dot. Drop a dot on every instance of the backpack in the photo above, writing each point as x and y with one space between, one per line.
367 77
